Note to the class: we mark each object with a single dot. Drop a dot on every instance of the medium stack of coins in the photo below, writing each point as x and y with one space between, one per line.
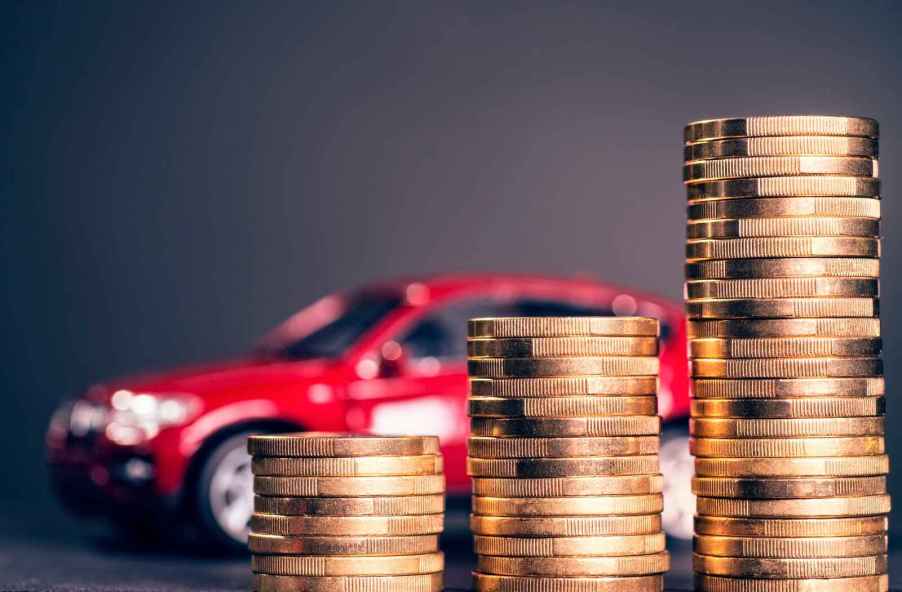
564 455
335 512
787 416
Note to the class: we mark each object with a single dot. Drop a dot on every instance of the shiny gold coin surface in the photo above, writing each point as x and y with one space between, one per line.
562 327
781 125
786 428
539 367
637 565
614 505
574 386
553 347
745 228
804 548
782 146
569 486
787 367
838 466
782 246
778 388
268 544
562 406
495 583
562 467
363 466
644 544
794 508
791 528
705 583
397 565
697 171
724 269
848 327
433 582
783 288
351 506
557 526
789 408
785 347
782 308
803 208
785 187
483 447
833 567
347 525
786 447
326 444
788 488
349 486
574 426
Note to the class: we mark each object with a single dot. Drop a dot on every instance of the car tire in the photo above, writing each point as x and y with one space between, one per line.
677 466
224 493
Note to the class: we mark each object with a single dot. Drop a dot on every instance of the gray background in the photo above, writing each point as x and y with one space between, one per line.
178 178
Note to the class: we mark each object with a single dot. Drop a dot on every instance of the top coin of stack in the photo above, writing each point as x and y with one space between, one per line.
782 285
564 454
346 512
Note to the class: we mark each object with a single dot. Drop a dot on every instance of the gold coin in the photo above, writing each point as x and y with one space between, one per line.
562 467
433 582
562 327
538 367
782 146
786 447
778 166
349 486
785 347
725 269
788 488
794 508
351 506
782 308
705 583
789 408
569 486
397 565
832 567
782 246
636 565
268 544
802 208
805 548
363 466
562 406
495 583
837 466
791 528
643 544
623 425
574 386
783 288
556 526
347 525
482 447
787 368
737 229
778 388
786 428
325 444
781 125
620 505
554 347
853 327
804 186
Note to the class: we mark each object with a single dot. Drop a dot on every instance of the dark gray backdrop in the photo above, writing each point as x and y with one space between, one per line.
179 177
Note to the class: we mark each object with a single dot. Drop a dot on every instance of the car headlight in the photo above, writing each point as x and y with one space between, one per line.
137 417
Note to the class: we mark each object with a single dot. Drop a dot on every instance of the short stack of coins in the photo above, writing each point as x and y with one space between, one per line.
787 414
338 512
564 454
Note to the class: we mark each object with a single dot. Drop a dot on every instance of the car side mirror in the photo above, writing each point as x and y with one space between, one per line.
394 362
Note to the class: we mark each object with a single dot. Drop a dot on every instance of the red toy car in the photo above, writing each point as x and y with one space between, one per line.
388 358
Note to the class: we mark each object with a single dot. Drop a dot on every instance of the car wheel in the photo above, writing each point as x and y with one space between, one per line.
677 466
225 498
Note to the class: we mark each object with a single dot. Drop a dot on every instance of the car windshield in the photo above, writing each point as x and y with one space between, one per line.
360 314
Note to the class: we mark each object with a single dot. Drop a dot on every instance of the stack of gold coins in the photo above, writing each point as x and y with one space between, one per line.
564 454
337 512
787 417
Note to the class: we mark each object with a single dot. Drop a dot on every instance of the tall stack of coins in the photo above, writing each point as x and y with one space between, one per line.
564 455
335 512
787 416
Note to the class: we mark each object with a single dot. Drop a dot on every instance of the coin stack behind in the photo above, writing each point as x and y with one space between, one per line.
787 417
335 512
564 455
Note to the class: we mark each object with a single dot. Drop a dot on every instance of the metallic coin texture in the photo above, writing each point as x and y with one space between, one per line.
562 327
323 444
781 125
